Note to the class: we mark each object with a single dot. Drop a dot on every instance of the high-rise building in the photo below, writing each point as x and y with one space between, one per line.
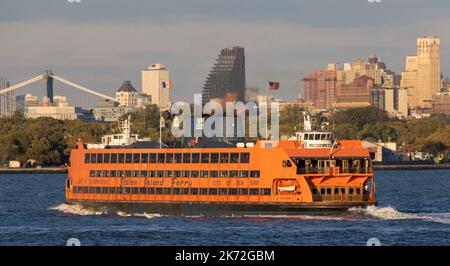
354 95
227 76
428 69
7 100
319 89
422 75
152 79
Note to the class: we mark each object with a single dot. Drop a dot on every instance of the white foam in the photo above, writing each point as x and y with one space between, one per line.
390 213
76 209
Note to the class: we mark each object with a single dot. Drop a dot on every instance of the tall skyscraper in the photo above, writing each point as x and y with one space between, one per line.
422 76
152 79
428 69
7 100
227 77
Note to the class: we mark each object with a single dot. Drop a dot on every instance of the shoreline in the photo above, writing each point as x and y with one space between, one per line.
49 170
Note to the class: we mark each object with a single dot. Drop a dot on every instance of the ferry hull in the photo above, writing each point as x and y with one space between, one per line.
218 209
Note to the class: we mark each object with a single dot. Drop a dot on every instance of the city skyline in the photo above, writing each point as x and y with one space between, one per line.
301 42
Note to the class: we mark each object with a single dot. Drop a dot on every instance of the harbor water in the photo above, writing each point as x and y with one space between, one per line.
413 209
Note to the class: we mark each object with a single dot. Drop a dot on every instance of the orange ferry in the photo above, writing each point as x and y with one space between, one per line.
309 173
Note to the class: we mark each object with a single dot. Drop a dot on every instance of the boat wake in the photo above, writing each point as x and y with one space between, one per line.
76 209
353 214
390 213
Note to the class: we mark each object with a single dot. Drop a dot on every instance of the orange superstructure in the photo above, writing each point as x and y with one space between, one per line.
267 177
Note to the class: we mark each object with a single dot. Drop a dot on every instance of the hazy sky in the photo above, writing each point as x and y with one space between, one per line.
100 43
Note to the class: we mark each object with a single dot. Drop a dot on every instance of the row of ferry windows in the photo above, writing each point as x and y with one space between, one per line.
336 191
172 191
234 157
175 173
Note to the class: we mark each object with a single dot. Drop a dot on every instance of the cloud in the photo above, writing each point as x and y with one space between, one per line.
101 54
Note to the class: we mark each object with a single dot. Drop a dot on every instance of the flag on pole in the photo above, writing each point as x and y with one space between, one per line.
167 84
273 86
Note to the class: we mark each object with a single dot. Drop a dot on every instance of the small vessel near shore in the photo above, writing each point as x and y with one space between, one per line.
308 173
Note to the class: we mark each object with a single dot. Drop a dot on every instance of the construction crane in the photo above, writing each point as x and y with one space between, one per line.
49 76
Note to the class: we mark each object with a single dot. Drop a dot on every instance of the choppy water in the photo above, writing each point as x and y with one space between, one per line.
414 209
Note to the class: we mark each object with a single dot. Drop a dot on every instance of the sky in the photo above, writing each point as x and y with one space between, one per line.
101 43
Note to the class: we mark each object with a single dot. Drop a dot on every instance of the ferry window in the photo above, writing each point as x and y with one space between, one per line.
135 173
314 191
185 191
105 173
317 137
127 173
244 174
305 137
204 174
114 158
224 157
92 173
98 190
232 191
205 157
106 157
233 173
144 173
223 173
195 157
223 191
98 174
144 158
93 157
168 191
161 157
152 158
176 191
176 173
169 173
186 173
329 191
121 158
323 136
112 173
91 190
350 191
87 158
322 191
245 157
177 158
254 174
169 158
214 158
151 173
343 191
243 191
186 157
159 191
336 191
203 191
358 191
194 191
234 157
266 191
212 191
142 190
120 173
254 191
128 158
150 190
136 157
194 173
213 174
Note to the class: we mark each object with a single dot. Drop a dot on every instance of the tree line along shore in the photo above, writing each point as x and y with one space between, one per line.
48 141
